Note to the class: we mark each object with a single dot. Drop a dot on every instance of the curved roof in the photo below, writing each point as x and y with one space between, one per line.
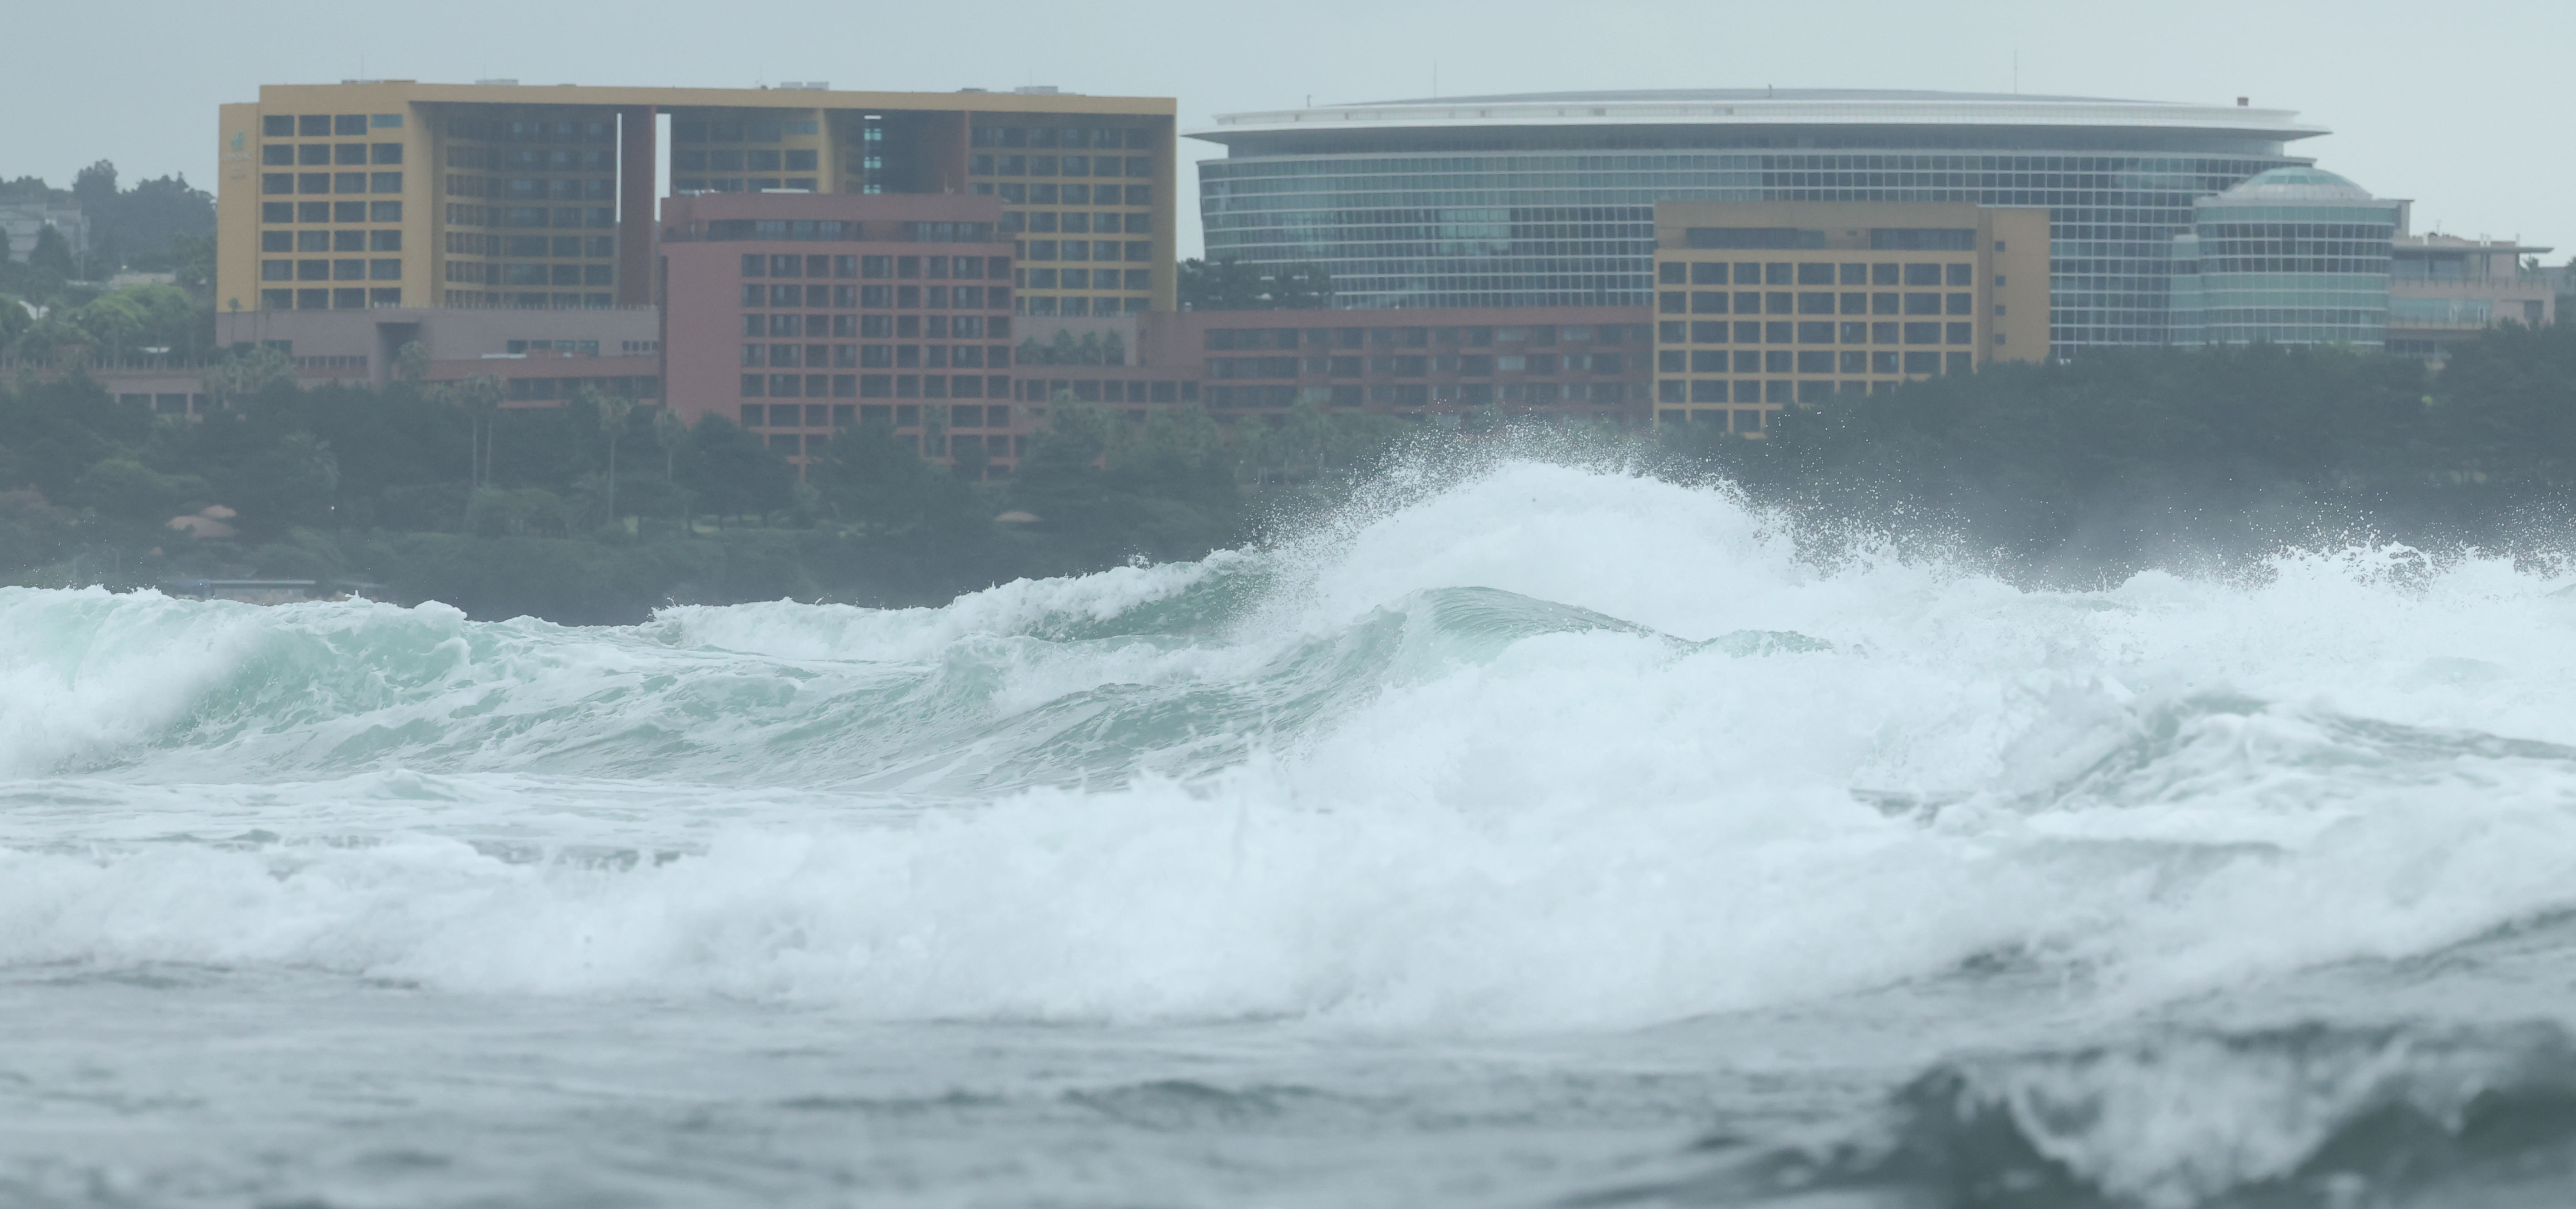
2295 184
1763 107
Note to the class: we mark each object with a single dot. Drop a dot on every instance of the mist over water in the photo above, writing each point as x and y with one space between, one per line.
1538 834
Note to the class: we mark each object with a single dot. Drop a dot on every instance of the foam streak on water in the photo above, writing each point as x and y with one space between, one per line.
1510 835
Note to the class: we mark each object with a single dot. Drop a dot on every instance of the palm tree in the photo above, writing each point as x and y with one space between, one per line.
673 436
479 397
613 411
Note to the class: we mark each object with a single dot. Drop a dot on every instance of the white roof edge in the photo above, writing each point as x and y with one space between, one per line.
2282 123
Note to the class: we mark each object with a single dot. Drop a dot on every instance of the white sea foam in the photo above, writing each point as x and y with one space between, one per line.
2164 787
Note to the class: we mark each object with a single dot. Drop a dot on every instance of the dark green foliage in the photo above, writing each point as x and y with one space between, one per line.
2088 470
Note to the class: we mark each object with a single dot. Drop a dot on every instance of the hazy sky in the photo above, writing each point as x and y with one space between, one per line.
2463 107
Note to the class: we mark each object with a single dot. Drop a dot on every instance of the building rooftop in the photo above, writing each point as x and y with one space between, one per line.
2296 184
1768 107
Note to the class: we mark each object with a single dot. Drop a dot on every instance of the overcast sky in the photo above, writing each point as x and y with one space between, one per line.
2463 107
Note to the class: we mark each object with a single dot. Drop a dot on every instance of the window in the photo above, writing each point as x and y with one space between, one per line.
349 211
1777 361
1923 333
1672 302
1815 274
1706 302
277 211
1923 274
313 241
384 270
1703 361
277 182
1816 333
1922 304
1959 304
1816 302
1886 274
1962 274
349 123
384 241
1923 363
1817 362
1855 303
1961 333
277 270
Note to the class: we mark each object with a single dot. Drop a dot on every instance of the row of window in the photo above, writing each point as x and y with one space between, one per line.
1415 365
1811 390
738 184
468 243
1541 334
876 356
875 386
347 211
758 159
1822 331
1073 222
934 268
1812 302
1423 394
466 214
899 297
1061 136
1085 249
1087 279
532 159
1785 361
1721 272
870 327
1059 165
531 301
1086 390
331 241
762 130
289 154
476 272
330 270
331 182
527 130
1014 194
325 300
326 125
527 188
842 415
1076 306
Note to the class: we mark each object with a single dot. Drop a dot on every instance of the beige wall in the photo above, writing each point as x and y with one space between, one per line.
1700 355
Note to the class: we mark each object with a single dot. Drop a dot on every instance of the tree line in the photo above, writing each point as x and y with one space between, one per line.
603 508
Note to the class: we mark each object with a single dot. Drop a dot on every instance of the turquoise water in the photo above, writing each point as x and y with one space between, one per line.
1545 836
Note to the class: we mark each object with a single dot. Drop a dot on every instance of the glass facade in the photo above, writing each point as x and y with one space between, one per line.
2293 256
1457 224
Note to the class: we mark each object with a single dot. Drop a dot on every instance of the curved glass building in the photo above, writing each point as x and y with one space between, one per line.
2293 256
1548 199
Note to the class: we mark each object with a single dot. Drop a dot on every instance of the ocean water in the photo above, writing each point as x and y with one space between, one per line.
1541 836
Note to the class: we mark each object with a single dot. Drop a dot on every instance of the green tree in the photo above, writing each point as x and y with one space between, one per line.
733 472
613 412
50 261
247 372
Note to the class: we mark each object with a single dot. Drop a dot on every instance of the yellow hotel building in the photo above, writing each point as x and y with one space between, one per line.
1766 305
396 193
